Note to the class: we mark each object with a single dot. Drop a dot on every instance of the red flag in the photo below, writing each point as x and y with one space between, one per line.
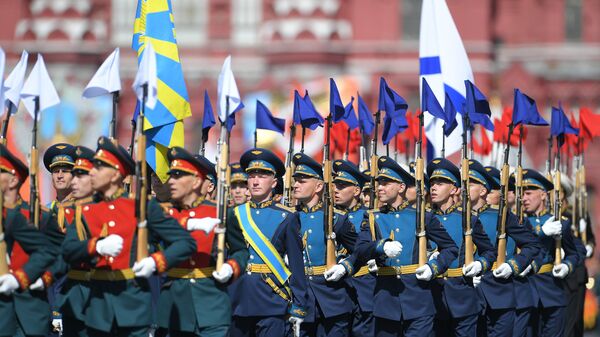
339 137
572 140
482 146
501 129
589 123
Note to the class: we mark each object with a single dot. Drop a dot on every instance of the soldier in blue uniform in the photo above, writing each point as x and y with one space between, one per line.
548 278
119 303
329 305
23 311
402 304
270 291
457 302
348 182
496 287
239 184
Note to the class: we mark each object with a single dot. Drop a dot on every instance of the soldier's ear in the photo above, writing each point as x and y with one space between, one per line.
274 183
319 186
357 191
197 184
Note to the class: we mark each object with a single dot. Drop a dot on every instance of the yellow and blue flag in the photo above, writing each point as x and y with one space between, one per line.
154 23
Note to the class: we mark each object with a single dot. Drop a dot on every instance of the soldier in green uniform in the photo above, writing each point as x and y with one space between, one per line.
194 300
119 303
22 312
75 291
58 160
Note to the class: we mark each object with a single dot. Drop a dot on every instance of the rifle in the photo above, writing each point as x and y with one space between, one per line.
419 182
141 187
11 109
328 198
374 168
557 204
288 188
222 187
3 262
503 207
34 199
519 179
575 214
466 201
113 121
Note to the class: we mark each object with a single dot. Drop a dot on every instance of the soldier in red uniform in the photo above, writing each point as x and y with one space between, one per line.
120 301
194 300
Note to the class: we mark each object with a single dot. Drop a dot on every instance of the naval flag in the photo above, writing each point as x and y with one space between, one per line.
444 63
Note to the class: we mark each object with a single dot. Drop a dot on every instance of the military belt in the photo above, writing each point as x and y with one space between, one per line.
191 272
452 272
545 268
79 275
399 270
258 268
314 270
364 270
112 275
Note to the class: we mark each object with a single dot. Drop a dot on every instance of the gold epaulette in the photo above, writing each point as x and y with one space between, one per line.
496 207
69 203
375 210
428 209
338 211
286 208
564 218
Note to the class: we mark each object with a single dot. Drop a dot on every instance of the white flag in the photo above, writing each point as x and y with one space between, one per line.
147 75
14 82
40 85
107 79
227 89
445 65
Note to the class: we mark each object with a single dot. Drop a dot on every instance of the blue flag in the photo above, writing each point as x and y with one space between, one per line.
350 115
208 121
525 111
305 113
560 125
477 107
365 117
336 107
266 121
450 112
395 111
430 103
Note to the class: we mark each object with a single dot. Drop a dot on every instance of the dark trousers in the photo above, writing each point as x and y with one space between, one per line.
549 322
422 326
500 322
363 323
522 326
72 327
259 326
457 327
120 332
336 326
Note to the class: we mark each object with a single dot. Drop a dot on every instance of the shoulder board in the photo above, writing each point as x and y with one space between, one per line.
286 208
428 209
373 210
65 204
564 218
339 211
496 207
166 206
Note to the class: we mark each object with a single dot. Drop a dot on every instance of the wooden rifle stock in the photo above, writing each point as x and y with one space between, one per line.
222 192
141 188
502 215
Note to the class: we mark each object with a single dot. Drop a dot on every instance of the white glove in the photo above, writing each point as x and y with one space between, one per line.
434 255
8 284
57 325
503 271
589 250
525 271
552 227
224 274
295 322
473 269
392 249
424 273
372 265
476 281
560 271
202 224
582 225
335 273
144 268
37 285
110 245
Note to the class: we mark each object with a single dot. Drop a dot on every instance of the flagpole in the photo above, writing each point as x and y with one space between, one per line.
396 148
113 121
549 168
373 168
287 190
519 177
347 144
34 203
444 142
255 137
302 143
11 110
